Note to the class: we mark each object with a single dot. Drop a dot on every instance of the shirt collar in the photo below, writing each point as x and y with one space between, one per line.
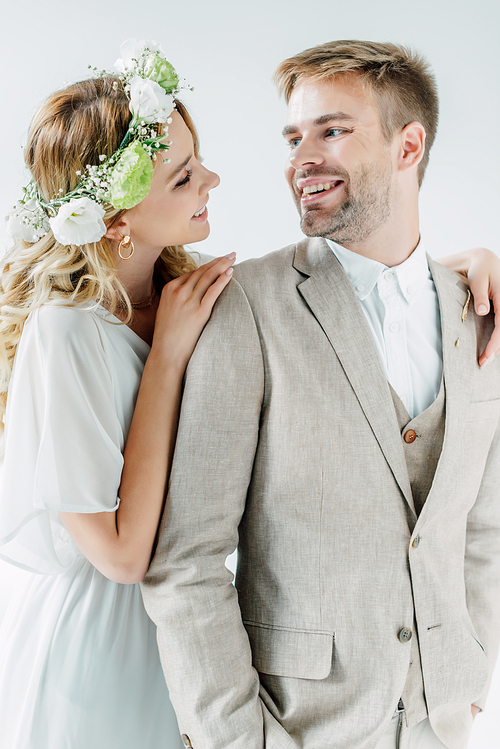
364 273
413 273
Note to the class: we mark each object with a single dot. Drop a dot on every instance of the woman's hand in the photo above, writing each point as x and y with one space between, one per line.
185 306
481 267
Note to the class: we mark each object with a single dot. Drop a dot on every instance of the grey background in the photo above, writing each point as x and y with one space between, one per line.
228 50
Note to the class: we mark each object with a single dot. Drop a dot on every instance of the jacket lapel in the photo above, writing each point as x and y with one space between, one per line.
331 299
459 363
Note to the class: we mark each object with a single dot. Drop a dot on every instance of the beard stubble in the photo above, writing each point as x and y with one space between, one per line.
366 206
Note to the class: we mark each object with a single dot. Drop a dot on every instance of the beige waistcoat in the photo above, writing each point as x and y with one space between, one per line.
422 455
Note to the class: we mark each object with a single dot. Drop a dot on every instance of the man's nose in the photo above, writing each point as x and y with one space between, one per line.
307 153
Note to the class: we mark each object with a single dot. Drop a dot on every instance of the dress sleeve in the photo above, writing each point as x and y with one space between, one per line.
63 438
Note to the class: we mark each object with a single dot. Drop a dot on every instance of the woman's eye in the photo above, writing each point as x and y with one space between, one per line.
186 179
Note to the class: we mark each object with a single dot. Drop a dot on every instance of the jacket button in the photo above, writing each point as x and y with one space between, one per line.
416 542
404 634
410 436
186 741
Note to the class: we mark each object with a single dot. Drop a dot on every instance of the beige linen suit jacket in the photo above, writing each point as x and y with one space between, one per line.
289 447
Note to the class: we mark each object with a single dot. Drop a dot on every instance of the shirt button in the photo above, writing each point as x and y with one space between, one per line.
404 634
394 327
409 290
186 741
410 436
360 287
389 276
416 542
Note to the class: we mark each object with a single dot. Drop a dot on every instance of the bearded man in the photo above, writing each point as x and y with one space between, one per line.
337 428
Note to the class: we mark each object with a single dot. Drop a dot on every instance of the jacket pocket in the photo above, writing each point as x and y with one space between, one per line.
297 653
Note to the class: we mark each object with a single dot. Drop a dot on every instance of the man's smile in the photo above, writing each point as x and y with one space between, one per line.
310 191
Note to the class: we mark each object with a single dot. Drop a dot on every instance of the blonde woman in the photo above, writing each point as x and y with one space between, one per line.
100 309
92 410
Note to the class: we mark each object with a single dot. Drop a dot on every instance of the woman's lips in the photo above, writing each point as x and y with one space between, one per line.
201 216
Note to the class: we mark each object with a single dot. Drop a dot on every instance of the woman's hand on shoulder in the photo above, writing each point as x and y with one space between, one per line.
484 282
481 267
185 306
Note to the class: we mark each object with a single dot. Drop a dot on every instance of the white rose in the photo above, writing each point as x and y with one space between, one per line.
131 51
28 222
149 102
22 229
79 221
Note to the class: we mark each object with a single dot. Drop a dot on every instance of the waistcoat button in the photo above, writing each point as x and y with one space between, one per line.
410 436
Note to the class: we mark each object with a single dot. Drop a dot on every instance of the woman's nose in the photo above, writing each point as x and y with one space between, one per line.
211 180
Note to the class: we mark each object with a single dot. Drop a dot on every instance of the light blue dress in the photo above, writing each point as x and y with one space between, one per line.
79 665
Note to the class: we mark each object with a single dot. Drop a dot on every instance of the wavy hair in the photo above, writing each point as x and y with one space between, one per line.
72 128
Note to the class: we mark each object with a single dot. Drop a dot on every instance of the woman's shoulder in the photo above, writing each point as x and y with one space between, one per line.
64 318
58 325
66 343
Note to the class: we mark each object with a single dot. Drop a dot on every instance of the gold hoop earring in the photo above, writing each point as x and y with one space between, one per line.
126 244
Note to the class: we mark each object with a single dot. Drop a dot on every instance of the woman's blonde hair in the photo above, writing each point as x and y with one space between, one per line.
72 128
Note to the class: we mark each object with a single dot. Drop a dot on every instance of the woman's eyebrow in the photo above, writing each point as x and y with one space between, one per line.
180 168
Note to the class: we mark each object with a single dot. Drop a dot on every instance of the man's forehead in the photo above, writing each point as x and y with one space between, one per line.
320 100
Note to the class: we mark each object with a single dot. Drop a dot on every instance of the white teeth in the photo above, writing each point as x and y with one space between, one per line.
316 188
200 212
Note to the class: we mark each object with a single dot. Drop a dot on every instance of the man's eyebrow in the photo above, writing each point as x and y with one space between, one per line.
323 120
179 168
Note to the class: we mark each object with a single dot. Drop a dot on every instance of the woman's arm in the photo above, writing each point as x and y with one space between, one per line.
481 267
119 544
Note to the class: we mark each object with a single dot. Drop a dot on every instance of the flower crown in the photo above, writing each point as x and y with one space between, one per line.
122 179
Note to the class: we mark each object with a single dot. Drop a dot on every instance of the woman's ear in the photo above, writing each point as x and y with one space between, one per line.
118 229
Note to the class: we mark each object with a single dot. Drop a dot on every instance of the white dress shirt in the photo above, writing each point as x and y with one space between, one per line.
402 309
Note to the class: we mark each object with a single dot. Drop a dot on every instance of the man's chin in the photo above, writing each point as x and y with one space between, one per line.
336 234
313 228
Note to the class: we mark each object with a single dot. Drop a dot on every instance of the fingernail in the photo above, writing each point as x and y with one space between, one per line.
490 358
229 272
482 310
231 255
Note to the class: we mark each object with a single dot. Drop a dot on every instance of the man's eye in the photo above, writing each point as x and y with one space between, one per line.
335 131
294 142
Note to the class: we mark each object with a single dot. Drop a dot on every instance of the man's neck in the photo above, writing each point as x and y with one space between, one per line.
391 244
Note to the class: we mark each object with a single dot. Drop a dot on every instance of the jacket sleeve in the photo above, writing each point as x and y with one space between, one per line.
188 591
482 561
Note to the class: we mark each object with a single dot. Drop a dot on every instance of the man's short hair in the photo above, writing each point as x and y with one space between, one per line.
403 86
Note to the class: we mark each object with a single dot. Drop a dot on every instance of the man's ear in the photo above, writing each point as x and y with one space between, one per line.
412 145
118 229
